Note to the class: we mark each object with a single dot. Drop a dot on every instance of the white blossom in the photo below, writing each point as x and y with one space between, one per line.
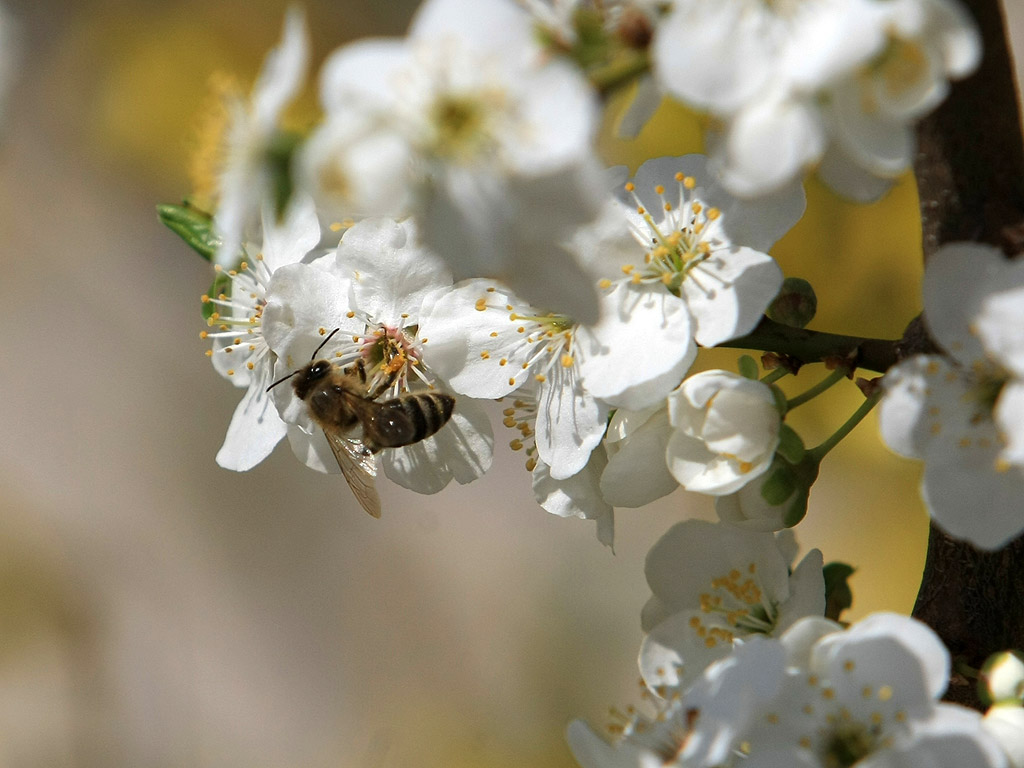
636 473
469 126
713 585
836 82
1005 724
488 343
245 182
373 290
960 412
675 230
725 431
239 351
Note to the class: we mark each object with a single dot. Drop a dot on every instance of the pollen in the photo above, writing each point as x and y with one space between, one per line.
627 268
567 361
640 210
604 284
503 361
509 421
689 182
516 445
541 378
679 176
491 289
208 353
512 382
485 355
714 213
848 665
231 372
531 464
630 186
350 314
203 334
481 305
668 206
659 189
250 365
494 334
205 299
336 226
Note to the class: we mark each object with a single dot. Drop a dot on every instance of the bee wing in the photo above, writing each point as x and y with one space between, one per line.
359 467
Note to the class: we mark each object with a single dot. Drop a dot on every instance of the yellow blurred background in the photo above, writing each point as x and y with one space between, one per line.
156 610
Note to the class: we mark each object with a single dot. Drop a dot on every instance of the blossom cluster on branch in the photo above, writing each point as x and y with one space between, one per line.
448 226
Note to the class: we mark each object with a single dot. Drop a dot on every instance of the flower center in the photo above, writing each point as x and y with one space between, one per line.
848 744
460 123
740 602
685 234
389 357
235 313
521 417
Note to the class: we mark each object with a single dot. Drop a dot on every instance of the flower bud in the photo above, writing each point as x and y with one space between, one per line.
795 305
1002 678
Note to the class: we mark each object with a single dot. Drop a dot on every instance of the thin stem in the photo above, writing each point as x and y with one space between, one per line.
836 376
772 376
819 451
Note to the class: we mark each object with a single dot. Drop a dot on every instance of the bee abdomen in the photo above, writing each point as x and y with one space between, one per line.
409 419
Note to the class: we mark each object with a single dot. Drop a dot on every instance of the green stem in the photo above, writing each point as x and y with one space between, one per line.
837 375
965 669
619 73
772 376
819 451
815 346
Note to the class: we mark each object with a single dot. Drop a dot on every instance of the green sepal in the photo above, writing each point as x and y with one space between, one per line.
838 595
791 446
192 225
221 284
592 45
779 486
797 508
747 367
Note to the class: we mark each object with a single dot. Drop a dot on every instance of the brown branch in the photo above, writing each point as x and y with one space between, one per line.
970 174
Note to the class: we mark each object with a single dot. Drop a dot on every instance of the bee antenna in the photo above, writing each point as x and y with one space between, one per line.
285 378
322 343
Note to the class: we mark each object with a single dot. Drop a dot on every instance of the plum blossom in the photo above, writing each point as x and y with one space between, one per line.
488 343
962 412
373 290
240 351
468 126
817 696
725 432
714 585
838 83
675 230
246 180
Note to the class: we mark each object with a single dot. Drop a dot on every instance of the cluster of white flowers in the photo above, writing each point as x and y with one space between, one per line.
486 252
814 696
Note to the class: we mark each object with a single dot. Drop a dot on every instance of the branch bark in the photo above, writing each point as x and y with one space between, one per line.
970 175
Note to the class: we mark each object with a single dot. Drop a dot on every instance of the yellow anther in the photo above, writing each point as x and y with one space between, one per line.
567 361
503 361
668 206
885 693
203 334
531 464
627 268
630 186
635 279
689 182
604 284
205 299
713 213
640 210
541 378
491 289
509 421
679 176
336 226
659 189
231 371
250 365
521 329
209 353
516 445
481 305
494 334
511 382
509 412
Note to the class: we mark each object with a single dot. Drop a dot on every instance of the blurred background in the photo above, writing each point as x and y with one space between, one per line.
156 610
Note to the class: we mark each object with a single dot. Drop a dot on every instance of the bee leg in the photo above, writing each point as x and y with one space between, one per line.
358 370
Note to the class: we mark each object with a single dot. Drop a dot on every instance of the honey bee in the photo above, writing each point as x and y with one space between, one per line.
338 401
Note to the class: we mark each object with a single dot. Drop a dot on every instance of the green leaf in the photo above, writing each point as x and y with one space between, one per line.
747 367
797 509
280 153
781 403
192 225
791 446
838 595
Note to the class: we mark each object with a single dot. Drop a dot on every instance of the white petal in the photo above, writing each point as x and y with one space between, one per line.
951 737
636 473
1001 319
489 28
768 145
462 450
729 291
283 70
716 55
570 423
364 73
806 592
906 425
881 145
577 496
673 654
297 235
845 177
254 430
1005 724
956 281
1009 415
639 350
391 274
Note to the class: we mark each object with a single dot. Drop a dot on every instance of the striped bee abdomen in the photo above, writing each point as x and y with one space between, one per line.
407 419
